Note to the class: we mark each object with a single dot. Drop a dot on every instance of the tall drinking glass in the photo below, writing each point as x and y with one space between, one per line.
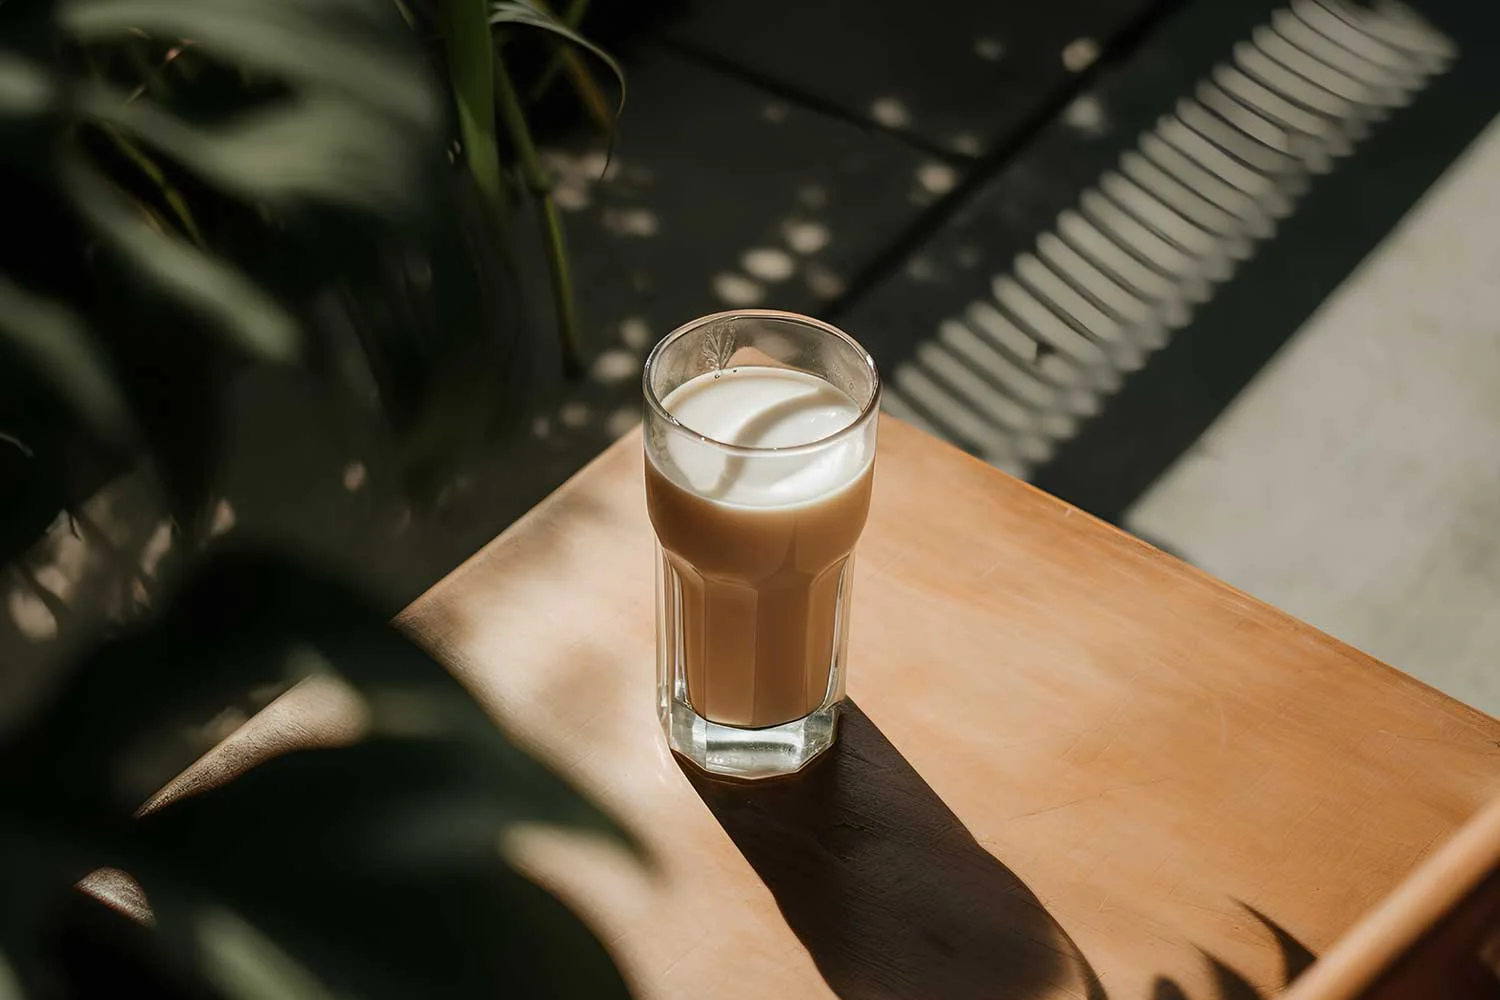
760 453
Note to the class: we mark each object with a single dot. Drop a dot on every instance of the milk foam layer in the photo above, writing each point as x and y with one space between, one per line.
761 407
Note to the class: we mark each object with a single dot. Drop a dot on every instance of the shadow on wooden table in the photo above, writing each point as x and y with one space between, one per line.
1229 984
893 897
889 892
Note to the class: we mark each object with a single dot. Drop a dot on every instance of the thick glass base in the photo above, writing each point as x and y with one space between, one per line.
749 753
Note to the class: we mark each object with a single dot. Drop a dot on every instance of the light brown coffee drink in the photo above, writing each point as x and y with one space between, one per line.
760 448
761 550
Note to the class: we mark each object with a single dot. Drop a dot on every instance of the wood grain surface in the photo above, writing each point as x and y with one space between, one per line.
1436 935
1075 766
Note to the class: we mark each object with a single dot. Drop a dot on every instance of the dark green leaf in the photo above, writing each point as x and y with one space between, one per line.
371 870
24 87
41 857
397 803
245 620
470 57
377 867
359 48
247 965
10 982
63 352
313 148
205 286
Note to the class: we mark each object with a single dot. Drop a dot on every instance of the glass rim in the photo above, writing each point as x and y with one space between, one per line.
870 407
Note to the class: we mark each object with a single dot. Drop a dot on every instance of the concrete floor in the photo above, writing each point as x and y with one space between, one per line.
1356 482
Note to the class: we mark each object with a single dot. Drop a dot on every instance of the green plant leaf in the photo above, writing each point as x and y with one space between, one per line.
470 58
59 346
523 14
566 59
540 185
169 194
306 149
372 870
212 289
359 48
42 856
572 17
25 88
376 867
10 982
247 965
244 620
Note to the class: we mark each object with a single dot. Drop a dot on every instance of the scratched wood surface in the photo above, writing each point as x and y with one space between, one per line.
1076 766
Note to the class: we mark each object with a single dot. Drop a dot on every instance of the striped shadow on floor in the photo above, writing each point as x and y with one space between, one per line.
1020 368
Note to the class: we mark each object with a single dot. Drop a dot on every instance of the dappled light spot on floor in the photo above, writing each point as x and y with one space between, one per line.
622 421
890 112
56 581
575 176
571 197
812 196
1086 114
804 235
990 49
768 264
541 427
737 290
615 366
594 163
822 282
1079 54
574 415
355 475
638 222
635 332
30 614
223 519
967 143
156 548
775 112
920 268
937 178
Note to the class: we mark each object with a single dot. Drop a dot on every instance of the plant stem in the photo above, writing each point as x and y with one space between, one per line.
588 90
470 68
572 17
562 287
537 181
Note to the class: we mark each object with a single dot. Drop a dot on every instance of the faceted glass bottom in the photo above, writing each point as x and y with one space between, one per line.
749 753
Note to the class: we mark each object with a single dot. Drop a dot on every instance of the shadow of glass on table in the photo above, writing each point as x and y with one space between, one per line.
886 888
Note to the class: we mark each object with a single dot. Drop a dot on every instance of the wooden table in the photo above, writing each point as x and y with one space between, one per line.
1075 762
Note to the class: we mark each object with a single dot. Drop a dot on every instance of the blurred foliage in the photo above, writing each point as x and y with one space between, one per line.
368 870
484 86
195 190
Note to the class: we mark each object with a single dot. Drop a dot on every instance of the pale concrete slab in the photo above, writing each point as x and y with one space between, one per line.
1356 481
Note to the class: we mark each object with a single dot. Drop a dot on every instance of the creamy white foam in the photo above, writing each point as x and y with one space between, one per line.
762 407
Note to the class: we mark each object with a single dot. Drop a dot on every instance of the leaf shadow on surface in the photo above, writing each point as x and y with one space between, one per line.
893 897
1230 984
886 888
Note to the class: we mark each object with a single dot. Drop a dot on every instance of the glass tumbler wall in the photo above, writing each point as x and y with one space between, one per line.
760 449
